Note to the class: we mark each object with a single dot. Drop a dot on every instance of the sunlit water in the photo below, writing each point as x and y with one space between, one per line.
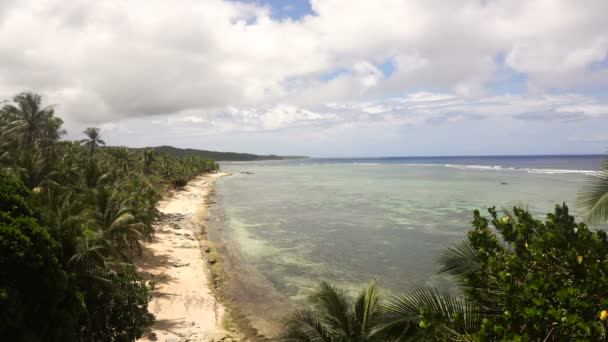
348 221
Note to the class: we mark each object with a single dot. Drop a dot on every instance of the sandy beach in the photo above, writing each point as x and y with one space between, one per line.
177 259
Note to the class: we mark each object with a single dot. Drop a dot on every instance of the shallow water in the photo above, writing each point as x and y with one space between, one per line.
348 221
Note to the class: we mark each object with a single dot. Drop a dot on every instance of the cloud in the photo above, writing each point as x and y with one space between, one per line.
116 59
189 70
551 116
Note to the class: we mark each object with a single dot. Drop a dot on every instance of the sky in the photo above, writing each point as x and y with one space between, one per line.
325 78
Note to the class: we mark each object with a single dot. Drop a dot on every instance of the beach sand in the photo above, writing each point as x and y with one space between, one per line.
183 300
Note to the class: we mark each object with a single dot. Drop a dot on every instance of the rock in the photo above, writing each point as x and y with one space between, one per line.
207 250
181 264
211 261
152 336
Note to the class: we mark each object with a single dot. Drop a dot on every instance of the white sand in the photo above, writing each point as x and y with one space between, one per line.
183 303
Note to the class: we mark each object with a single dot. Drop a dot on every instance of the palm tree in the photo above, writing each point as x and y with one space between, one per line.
116 222
335 316
149 156
593 197
29 121
121 159
93 139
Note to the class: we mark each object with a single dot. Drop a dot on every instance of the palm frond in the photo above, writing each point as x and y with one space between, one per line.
306 325
459 258
439 315
366 308
593 197
336 304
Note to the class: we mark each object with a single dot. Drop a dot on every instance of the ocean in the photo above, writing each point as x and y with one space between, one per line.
286 225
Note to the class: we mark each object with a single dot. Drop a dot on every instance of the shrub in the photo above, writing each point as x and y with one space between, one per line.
538 280
37 298
120 308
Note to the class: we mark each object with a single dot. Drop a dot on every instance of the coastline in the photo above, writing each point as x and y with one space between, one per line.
179 260
245 292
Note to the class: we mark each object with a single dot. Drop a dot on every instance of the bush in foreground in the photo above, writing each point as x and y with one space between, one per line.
38 300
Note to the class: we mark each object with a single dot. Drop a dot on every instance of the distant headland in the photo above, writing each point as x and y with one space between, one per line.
221 156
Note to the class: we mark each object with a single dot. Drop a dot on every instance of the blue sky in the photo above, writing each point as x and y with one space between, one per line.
320 78
281 9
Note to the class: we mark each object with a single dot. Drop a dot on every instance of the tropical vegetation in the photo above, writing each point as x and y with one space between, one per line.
519 279
593 197
72 216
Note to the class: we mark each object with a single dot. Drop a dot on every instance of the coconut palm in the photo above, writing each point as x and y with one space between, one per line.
149 156
335 316
29 121
116 222
32 168
93 139
121 158
593 197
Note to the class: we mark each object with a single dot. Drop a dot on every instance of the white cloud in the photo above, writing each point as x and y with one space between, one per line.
230 66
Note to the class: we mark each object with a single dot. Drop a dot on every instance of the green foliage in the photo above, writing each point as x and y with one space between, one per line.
534 280
593 197
120 307
72 222
14 196
38 300
335 316
430 315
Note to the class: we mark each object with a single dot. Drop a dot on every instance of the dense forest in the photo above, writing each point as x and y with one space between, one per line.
220 156
72 215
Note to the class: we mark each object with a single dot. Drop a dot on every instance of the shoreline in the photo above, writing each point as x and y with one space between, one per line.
179 260
239 285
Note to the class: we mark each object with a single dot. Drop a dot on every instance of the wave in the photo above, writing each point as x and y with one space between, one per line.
462 167
333 164
515 169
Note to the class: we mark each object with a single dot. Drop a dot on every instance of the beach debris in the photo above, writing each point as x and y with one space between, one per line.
207 250
211 261
181 264
152 336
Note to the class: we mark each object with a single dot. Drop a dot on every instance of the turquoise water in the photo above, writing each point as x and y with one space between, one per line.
297 223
